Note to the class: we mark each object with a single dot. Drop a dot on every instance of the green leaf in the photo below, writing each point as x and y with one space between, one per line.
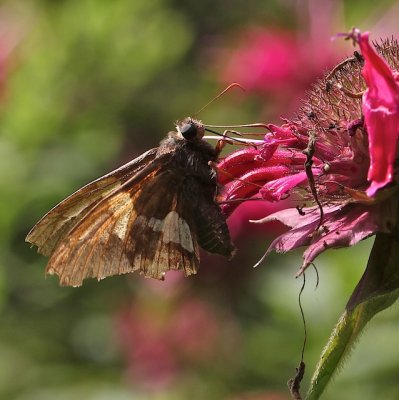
377 290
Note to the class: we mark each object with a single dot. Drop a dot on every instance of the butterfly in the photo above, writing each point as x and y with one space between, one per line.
151 215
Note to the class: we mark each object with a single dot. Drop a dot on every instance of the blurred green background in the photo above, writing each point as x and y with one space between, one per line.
87 85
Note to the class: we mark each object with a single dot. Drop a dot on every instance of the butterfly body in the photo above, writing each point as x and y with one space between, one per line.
151 215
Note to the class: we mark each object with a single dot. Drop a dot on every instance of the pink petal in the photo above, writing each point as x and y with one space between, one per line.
303 227
381 112
348 227
290 217
343 226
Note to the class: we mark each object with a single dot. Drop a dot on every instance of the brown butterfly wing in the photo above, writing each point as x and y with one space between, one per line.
142 226
57 223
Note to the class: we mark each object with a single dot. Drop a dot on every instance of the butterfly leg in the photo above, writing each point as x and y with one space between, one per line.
222 142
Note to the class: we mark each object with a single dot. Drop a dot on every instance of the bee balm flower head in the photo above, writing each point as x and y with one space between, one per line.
335 160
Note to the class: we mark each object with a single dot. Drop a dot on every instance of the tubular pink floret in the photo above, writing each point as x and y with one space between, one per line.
257 176
238 163
283 132
278 189
250 183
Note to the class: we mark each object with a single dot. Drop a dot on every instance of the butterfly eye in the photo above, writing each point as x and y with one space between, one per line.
188 131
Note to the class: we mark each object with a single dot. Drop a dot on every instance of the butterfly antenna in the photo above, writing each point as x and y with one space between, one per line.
256 125
233 85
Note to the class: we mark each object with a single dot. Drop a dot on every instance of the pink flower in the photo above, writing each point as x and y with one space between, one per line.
194 330
163 339
270 56
151 362
274 60
323 159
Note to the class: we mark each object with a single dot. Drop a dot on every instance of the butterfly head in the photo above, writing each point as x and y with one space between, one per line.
190 129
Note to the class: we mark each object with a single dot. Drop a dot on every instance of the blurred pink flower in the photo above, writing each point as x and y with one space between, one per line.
194 330
265 60
162 343
150 360
272 60
323 157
